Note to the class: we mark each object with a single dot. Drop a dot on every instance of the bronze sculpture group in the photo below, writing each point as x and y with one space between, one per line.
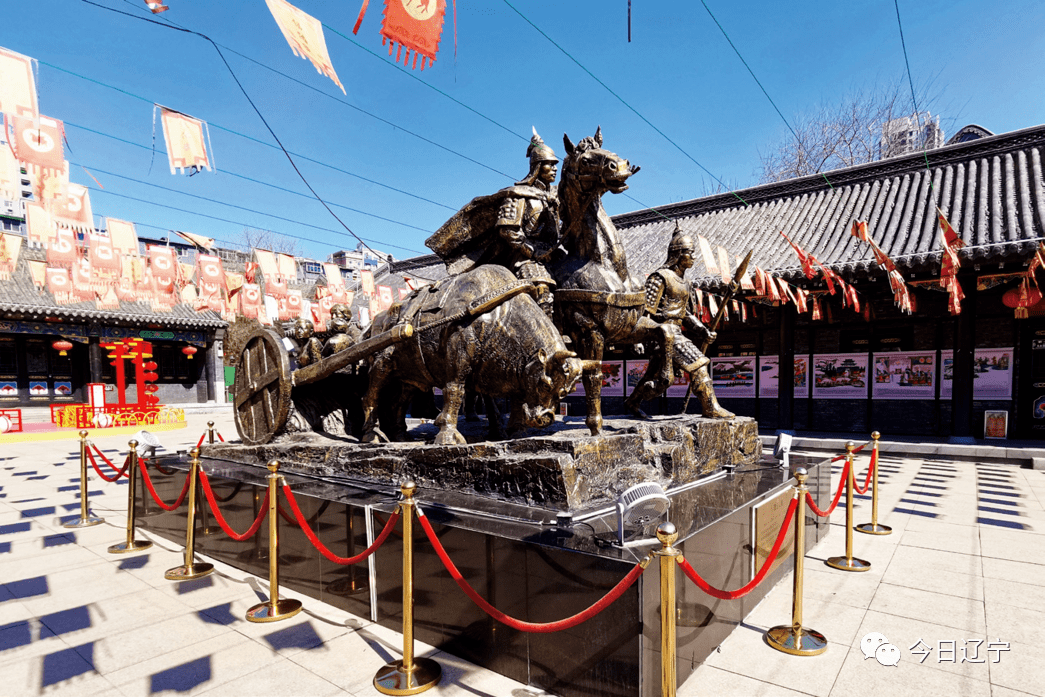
531 268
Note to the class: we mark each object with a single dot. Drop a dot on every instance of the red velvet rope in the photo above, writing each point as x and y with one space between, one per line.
314 539
870 470
536 627
155 496
126 462
119 473
219 436
200 441
239 537
836 458
838 495
692 574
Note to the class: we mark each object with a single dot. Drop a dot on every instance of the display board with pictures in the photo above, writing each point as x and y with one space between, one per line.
612 380
840 376
769 377
635 371
904 375
733 376
992 374
679 387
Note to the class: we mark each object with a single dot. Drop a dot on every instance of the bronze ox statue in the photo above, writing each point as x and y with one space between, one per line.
480 330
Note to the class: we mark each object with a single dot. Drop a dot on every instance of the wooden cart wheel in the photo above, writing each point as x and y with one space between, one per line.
262 388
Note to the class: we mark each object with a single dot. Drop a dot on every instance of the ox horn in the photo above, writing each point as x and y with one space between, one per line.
598 136
591 366
561 355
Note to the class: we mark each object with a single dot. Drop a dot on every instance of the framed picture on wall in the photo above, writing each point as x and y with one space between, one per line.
995 424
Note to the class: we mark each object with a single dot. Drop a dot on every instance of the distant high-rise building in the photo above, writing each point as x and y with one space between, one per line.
910 134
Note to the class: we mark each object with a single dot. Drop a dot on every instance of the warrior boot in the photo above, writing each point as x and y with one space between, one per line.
645 390
706 392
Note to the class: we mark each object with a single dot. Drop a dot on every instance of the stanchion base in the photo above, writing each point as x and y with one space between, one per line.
134 546
845 564
209 530
797 641
393 680
874 529
348 586
187 572
274 611
84 523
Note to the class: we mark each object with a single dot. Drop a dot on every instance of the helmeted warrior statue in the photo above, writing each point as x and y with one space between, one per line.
517 227
669 300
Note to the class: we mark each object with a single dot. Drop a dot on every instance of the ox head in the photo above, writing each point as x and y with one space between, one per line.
548 379
594 168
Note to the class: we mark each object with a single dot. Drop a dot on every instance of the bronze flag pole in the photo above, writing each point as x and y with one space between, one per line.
734 286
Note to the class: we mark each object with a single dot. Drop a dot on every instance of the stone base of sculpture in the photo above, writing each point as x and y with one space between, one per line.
560 468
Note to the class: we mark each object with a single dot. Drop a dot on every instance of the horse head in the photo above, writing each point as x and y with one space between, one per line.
594 169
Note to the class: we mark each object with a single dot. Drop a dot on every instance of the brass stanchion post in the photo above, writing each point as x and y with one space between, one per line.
191 568
849 562
275 608
409 676
873 528
86 519
210 432
131 545
669 557
351 584
794 638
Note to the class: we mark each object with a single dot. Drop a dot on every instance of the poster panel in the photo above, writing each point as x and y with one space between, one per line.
733 376
840 376
992 374
904 375
636 369
769 377
612 380
679 387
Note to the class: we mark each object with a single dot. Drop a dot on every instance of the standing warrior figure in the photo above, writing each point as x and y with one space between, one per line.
517 227
669 301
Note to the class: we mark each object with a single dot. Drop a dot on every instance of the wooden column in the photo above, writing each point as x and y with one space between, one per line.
786 381
964 349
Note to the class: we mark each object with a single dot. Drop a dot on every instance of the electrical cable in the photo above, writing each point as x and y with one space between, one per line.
244 135
620 99
339 100
759 83
230 205
914 99
258 181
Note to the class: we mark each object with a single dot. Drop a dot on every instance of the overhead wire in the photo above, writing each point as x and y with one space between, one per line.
914 99
758 82
342 101
254 180
230 205
243 135
621 99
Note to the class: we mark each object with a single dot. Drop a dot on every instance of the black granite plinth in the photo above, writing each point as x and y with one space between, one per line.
516 557
562 468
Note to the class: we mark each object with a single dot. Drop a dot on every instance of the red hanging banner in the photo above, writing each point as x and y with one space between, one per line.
384 298
74 210
38 141
17 85
103 257
83 285
61 249
249 300
59 285
10 247
415 25
164 268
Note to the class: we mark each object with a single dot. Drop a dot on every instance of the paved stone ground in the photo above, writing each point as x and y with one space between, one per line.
964 564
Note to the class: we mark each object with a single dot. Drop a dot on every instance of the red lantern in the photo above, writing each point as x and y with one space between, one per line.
151 365
150 377
62 346
190 351
1022 297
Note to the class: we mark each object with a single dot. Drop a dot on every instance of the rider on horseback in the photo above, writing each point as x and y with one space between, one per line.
517 227
669 301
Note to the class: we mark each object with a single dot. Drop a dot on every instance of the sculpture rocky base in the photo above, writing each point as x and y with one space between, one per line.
561 468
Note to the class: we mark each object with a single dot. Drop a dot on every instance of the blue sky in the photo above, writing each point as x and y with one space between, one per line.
678 72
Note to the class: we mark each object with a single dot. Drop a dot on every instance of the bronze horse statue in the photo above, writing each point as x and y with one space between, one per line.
598 302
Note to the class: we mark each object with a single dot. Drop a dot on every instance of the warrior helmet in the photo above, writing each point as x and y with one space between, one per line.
539 152
680 241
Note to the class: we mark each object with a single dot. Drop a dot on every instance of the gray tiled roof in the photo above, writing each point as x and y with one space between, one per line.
990 189
20 296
